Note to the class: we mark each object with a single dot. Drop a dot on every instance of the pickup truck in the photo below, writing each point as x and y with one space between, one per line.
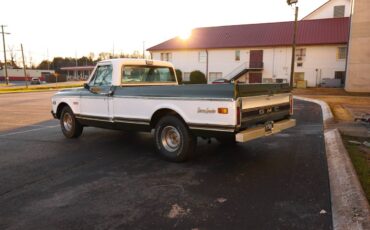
144 95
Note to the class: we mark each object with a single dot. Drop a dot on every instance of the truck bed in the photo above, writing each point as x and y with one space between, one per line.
216 91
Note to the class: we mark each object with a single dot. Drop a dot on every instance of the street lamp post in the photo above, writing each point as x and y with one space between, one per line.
291 2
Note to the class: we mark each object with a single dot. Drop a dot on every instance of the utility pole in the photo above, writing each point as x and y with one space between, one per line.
5 65
47 58
30 57
24 67
143 49
291 2
113 50
76 74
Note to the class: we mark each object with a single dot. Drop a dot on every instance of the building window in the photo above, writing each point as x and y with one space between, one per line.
166 56
237 55
342 53
214 76
300 53
202 56
339 11
186 76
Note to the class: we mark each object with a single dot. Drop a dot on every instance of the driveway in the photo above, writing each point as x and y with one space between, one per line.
114 180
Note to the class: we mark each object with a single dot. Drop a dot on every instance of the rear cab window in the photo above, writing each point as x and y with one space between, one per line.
134 74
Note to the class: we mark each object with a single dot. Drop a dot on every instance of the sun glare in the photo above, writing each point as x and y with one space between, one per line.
185 34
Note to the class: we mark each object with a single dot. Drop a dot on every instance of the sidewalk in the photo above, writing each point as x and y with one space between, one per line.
327 91
345 107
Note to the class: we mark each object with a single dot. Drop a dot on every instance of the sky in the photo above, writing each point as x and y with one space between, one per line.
72 28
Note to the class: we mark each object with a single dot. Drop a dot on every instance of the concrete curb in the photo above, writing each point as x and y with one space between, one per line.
350 208
327 115
349 205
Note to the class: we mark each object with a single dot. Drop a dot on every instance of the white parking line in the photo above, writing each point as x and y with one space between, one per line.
27 131
26 125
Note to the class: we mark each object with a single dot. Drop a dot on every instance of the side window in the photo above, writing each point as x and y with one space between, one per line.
102 76
237 55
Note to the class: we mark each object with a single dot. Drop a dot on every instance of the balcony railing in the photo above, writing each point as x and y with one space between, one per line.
256 65
244 66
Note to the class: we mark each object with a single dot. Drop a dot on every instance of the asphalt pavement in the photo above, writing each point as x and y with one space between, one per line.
115 180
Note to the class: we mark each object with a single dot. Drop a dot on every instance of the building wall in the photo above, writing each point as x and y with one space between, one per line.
320 62
327 10
358 71
18 74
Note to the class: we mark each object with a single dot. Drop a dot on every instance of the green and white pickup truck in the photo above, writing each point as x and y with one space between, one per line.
144 95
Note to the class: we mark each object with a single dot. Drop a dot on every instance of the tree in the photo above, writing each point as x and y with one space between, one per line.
197 77
179 76
136 54
13 57
104 56
43 65
91 56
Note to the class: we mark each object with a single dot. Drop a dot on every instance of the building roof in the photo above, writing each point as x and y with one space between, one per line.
78 68
310 32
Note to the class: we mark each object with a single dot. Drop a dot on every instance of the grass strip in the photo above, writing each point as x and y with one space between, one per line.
360 157
37 89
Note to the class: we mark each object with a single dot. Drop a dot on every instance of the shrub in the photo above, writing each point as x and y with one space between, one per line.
197 77
179 76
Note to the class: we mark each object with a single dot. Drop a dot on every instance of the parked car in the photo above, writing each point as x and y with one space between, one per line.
221 81
35 81
144 95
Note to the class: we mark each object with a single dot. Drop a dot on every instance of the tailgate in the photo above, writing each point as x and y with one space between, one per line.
263 103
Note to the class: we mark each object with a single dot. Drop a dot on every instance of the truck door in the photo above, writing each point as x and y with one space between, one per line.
94 103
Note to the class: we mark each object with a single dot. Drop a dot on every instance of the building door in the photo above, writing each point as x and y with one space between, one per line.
256 59
298 76
255 78
341 75
95 101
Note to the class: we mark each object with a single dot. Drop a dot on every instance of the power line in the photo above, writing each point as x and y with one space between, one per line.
6 67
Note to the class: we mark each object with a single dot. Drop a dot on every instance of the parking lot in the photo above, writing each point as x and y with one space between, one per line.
115 180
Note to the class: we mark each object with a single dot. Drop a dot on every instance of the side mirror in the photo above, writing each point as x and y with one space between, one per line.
86 86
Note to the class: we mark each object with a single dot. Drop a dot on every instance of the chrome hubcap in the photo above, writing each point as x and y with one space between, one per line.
171 138
67 122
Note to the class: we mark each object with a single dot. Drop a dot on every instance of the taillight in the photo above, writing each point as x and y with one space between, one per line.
291 104
238 112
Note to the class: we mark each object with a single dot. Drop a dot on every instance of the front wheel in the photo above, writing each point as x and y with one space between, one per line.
71 128
173 139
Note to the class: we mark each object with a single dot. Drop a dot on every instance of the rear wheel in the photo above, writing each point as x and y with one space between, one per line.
173 139
71 128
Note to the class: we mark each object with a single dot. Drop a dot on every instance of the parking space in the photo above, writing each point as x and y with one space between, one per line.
113 179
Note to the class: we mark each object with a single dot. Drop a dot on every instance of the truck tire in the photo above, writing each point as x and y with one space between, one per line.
173 140
71 128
